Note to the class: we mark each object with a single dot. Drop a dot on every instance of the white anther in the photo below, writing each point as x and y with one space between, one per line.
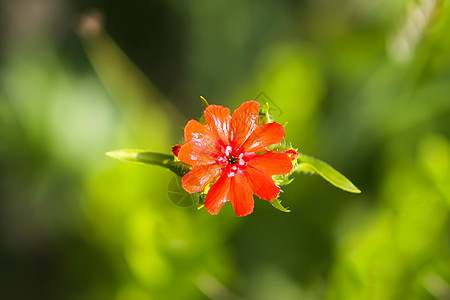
228 150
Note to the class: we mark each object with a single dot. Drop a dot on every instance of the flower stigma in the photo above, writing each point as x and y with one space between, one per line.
232 159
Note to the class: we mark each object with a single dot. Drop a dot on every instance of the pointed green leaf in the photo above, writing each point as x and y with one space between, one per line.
309 164
141 156
277 204
205 105
305 168
204 102
151 158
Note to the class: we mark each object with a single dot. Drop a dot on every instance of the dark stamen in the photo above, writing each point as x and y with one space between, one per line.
232 160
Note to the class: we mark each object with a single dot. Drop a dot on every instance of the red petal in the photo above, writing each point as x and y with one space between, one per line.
199 177
244 121
261 184
218 119
264 136
272 163
196 131
218 195
241 196
200 147
197 152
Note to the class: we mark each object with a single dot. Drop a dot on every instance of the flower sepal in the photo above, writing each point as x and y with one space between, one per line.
205 104
282 180
201 201
277 204
264 114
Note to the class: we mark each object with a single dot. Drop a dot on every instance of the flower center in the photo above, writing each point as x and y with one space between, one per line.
232 159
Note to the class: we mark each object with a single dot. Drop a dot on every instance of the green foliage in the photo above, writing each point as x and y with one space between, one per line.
151 158
205 103
277 204
308 164
363 82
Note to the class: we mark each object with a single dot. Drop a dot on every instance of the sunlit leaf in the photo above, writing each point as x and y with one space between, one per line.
151 158
309 164
277 204
204 102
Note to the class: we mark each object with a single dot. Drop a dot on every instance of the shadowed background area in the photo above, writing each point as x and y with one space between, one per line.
363 85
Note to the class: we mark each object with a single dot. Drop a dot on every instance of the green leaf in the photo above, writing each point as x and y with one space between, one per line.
151 158
204 102
277 204
309 164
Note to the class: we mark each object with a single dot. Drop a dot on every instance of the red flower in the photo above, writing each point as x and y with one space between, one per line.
234 151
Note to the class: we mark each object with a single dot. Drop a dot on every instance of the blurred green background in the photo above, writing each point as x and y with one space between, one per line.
363 85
